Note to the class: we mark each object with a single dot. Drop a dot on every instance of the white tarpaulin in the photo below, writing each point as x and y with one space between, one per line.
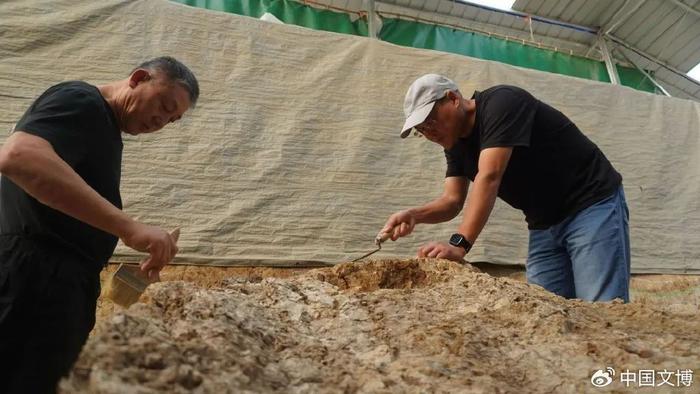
293 152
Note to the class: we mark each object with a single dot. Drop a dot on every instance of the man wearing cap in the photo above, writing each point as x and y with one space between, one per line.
511 145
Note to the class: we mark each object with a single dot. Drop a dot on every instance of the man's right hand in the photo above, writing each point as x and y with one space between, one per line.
156 242
399 224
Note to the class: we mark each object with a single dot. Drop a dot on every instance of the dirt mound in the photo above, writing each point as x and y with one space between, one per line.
382 326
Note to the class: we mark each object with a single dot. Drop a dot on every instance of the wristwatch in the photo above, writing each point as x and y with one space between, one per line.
458 239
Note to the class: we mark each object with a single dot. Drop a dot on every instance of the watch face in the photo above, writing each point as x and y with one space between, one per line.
456 239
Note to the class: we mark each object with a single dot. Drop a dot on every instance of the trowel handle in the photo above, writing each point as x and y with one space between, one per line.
175 234
381 237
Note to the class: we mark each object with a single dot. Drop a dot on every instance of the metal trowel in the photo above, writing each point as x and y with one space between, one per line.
128 282
381 237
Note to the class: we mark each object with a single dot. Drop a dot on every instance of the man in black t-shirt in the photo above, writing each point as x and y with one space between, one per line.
60 213
511 145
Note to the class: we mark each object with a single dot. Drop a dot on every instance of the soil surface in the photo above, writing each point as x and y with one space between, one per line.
389 326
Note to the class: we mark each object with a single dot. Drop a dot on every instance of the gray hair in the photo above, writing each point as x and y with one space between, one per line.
175 72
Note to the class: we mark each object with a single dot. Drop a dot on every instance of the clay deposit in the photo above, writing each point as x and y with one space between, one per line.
381 327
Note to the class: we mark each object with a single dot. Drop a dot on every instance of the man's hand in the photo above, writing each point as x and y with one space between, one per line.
31 163
399 224
155 241
442 250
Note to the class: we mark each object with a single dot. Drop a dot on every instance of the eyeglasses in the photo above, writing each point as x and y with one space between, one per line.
428 126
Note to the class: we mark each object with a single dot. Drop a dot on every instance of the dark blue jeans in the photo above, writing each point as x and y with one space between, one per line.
587 255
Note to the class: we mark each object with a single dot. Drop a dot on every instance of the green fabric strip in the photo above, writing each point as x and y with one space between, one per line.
441 38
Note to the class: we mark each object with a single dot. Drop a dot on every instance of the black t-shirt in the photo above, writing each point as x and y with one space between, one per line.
81 127
554 170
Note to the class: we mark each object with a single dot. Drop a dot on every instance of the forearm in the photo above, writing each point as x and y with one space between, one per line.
440 210
54 183
479 205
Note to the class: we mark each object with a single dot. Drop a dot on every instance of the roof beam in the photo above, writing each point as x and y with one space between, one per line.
474 25
615 15
624 18
686 7
652 58
613 23
609 62
536 18
646 74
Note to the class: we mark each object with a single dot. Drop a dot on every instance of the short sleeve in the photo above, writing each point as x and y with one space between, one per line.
63 116
507 118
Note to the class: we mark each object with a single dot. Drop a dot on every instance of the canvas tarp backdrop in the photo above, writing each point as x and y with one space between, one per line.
293 154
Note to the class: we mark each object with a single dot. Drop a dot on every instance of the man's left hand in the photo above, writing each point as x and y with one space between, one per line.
442 250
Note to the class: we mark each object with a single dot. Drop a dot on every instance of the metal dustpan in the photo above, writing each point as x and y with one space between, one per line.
128 282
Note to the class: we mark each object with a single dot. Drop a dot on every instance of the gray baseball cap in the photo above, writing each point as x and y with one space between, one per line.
421 97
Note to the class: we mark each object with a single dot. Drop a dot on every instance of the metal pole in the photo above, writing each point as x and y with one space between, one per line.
600 31
609 62
371 15
652 59
646 74
624 18
615 23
